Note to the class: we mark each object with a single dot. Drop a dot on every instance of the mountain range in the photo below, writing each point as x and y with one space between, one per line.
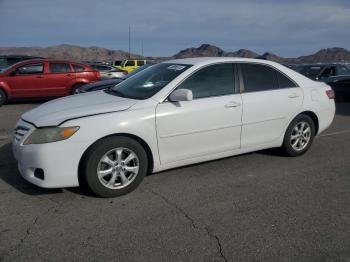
335 54
73 52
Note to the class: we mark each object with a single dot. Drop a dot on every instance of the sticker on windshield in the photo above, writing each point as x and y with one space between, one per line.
176 67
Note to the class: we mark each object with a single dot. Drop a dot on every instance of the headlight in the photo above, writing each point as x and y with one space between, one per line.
50 134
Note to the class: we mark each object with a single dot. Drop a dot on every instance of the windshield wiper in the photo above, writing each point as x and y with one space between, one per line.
114 92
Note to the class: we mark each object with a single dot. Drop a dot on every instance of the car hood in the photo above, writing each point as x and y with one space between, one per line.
55 112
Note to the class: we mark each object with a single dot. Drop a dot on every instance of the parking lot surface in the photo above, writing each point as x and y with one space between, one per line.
254 207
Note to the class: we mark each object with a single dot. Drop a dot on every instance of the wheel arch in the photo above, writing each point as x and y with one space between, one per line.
142 142
314 118
5 92
78 83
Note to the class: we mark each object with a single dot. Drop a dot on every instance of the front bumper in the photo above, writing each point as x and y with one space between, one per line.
58 160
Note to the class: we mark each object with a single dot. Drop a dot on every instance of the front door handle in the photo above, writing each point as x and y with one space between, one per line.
294 95
39 77
232 104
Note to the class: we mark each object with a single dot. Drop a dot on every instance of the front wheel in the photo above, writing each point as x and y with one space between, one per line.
115 166
299 136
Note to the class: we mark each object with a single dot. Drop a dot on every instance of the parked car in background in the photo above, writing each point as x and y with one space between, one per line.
131 64
175 113
109 72
101 85
117 63
9 60
335 75
98 85
293 66
40 78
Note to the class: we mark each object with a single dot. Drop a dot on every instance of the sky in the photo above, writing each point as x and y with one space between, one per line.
164 27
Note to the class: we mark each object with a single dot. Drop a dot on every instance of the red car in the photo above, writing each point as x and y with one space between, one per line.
38 78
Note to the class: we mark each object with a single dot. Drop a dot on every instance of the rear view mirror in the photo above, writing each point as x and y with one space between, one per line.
181 95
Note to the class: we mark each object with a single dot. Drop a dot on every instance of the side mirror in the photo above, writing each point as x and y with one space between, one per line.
13 73
181 95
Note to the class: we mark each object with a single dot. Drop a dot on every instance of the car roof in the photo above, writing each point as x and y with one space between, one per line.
141 59
39 60
210 60
51 60
326 64
23 56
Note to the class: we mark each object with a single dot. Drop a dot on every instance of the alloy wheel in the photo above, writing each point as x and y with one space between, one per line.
118 168
301 135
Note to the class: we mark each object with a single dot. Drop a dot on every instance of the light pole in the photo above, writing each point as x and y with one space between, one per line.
129 43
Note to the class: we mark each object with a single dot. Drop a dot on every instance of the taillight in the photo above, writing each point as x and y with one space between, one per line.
98 74
330 93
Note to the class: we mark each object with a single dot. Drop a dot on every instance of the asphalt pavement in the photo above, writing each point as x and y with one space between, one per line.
255 207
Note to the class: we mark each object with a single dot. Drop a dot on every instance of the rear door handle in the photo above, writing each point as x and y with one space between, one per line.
39 77
294 95
232 104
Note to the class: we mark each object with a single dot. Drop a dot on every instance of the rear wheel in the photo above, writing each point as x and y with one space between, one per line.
299 136
2 97
75 88
115 166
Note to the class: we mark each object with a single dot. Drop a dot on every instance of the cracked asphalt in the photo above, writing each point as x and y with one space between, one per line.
254 207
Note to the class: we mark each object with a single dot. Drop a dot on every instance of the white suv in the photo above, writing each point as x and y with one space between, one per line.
172 114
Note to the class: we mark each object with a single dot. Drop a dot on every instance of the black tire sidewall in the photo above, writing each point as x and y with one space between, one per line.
287 147
96 152
2 97
74 88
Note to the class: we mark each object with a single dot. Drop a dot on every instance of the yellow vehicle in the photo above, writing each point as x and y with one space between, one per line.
131 64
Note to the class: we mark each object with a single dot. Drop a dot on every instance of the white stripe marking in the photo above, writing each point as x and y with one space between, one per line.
336 133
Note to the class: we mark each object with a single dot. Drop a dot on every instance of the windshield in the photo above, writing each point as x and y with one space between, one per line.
3 63
311 71
148 82
139 69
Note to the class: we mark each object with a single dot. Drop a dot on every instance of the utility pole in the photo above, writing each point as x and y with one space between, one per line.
142 48
129 44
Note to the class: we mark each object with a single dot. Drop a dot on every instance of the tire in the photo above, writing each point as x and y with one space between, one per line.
103 158
297 131
3 97
73 91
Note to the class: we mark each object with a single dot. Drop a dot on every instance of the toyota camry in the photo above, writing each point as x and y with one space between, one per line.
173 114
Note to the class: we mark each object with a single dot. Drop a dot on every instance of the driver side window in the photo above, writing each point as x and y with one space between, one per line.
214 80
329 71
30 69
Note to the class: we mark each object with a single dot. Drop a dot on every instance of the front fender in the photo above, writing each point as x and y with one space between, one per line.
4 86
139 123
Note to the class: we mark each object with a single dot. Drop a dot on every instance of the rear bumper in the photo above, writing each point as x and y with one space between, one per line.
325 117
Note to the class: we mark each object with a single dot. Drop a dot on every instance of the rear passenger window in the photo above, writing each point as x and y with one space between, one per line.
214 80
130 63
284 82
140 63
258 77
59 68
78 68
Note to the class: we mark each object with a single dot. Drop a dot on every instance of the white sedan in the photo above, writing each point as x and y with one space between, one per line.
172 114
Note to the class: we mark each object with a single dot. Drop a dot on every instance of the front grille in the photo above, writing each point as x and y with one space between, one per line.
20 132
